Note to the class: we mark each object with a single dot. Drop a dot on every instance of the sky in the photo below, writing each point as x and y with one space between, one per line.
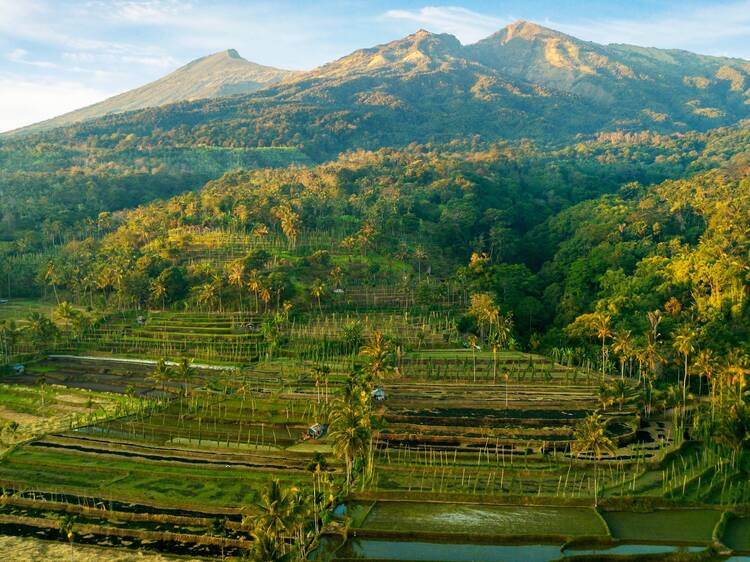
60 55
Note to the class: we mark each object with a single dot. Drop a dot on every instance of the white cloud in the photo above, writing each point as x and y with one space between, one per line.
467 25
20 56
17 55
149 12
30 101
686 29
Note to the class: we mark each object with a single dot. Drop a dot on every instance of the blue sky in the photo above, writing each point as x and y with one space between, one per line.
58 55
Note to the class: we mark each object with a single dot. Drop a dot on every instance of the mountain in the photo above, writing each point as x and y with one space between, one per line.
523 82
641 86
222 74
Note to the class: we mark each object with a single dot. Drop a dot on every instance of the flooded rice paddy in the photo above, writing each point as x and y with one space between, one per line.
489 520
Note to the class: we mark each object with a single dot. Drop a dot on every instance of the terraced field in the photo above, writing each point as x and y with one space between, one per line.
178 472
230 338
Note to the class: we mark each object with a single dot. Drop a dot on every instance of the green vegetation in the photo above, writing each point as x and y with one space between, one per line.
469 339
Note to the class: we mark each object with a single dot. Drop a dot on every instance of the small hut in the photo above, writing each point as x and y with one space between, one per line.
19 369
316 431
378 394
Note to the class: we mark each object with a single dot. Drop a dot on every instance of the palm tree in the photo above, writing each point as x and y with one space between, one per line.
65 312
683 344
590 437
280 514
40 328
265 296
161 374
185 372
206 294
622 345
158 292
504 329
317 290
52 278
352 335
482 307
602 325
236 277
349 433
289 221
255 285
380 353
737 367
337 275
274 509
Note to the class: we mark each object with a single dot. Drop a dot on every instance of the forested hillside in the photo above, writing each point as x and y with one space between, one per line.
554 235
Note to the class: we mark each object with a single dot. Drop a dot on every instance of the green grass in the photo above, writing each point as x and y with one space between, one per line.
20 309
137 480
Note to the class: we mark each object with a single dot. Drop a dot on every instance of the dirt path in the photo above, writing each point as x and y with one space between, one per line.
139 361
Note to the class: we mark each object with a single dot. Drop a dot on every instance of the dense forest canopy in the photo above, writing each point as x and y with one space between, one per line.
554 235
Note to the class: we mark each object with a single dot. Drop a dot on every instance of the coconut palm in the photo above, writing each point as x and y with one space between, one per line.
623 347
602 326
236 277
380 353
590 437
65 312
317 290
504 329
289 222
274 509
736 369
41 330
280 514
349 433
161 374
206 294
52 277
185 372
705 366
482 307
683 344
337 276
158 292
254 285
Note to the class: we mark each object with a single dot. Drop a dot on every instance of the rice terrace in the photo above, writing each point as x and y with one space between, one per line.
475 294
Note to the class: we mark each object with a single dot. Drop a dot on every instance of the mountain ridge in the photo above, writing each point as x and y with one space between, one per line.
219 74
523 81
